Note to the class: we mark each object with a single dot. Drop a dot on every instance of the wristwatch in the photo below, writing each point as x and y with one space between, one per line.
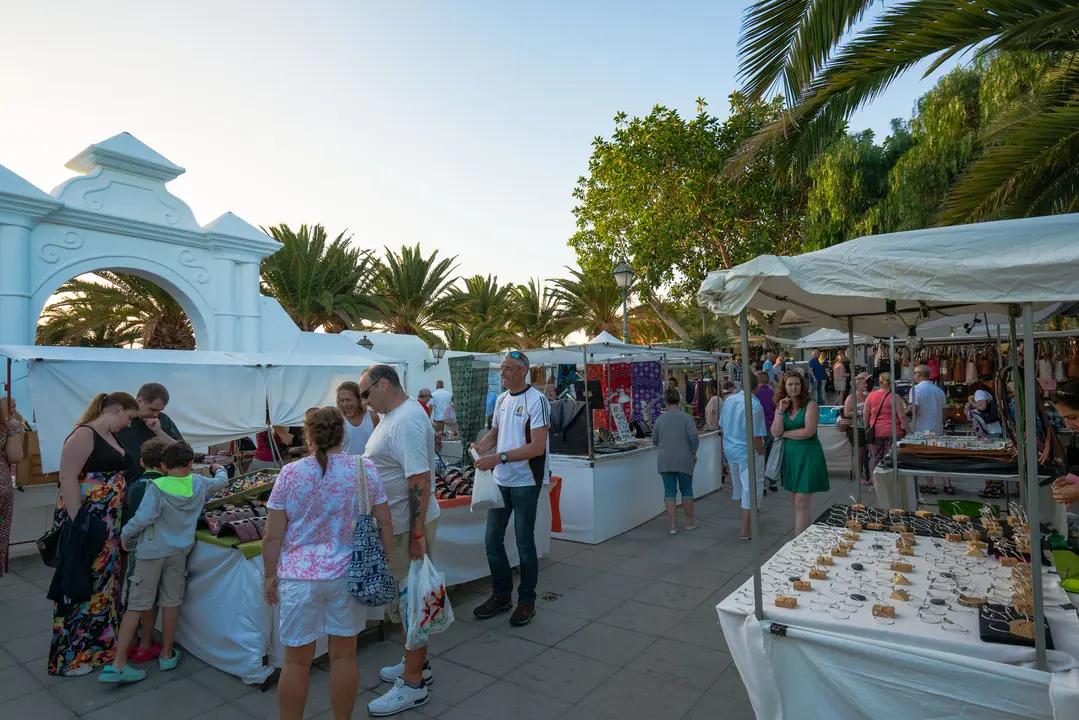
504 458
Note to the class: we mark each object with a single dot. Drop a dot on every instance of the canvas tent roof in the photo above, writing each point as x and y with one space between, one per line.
827 338
929 274
604 347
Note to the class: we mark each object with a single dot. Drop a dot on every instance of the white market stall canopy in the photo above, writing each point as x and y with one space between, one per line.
829 338
928 274
606 347
215 397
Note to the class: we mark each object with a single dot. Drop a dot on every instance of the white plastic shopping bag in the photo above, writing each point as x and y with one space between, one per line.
774 470
425 607
485 492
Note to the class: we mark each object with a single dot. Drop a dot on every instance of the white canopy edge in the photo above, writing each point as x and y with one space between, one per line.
928 274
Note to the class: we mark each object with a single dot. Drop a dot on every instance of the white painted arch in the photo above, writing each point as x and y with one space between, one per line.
117 214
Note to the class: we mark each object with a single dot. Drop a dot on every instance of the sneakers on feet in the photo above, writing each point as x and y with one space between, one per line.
522 615
396 672
493 606
399 698
693 525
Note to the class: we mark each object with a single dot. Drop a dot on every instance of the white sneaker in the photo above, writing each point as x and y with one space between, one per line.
393 673
400 697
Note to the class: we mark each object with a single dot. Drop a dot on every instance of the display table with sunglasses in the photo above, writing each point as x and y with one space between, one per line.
830 657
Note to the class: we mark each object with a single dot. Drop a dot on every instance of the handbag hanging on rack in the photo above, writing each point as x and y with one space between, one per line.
972 369
1073 361
1058 362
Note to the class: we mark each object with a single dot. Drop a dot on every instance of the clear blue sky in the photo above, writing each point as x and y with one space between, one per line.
461 125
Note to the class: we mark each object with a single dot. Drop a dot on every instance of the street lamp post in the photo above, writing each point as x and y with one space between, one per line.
623 277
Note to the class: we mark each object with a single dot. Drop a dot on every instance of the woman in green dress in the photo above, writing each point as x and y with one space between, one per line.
805 470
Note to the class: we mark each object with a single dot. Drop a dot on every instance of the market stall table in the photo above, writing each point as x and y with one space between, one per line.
906 669
614 493
227 624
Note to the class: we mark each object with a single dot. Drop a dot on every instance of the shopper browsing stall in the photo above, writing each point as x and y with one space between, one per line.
92 468
839 374
712 408
676 439
151 422
1066 489
805 470
402 449
521 466
732 421
10 453
441 399
766 394
817 376
882 410
165 530
306 553
927 403
359 420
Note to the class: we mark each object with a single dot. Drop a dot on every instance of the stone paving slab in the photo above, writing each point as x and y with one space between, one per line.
624 629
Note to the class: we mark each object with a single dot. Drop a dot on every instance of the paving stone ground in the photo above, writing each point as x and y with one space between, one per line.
632 632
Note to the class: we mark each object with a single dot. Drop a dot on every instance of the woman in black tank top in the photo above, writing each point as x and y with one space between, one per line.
92 466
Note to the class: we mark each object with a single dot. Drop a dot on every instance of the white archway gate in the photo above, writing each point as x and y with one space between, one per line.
118 215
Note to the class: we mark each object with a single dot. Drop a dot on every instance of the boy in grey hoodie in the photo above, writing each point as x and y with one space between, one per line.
165 526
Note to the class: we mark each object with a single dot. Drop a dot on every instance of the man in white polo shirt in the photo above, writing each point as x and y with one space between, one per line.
520 464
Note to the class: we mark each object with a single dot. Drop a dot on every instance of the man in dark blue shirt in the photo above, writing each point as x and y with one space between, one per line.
816 370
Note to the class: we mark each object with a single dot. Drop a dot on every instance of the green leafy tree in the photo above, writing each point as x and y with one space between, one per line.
830 68
654 195
115 310
415 293
479 338
319 283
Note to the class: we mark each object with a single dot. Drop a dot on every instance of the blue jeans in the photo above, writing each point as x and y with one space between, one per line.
522 502
674 482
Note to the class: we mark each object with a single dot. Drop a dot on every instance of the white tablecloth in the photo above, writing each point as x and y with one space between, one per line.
827 667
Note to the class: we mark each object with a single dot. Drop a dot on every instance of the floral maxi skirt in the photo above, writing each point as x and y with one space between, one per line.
84 634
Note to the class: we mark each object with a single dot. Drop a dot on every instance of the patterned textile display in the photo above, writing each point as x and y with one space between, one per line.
620 379
469 399
538 377
85 633
647 381
599 372
567 375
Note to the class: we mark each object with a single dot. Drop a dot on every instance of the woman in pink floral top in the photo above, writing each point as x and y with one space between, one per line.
306 554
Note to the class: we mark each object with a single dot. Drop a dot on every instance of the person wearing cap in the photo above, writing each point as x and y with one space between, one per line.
520 463
424 398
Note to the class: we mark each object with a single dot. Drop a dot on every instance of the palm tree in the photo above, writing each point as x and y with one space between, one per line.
480 338
590 303
319 283
416 293
116 310
484 300
534 320
1030 166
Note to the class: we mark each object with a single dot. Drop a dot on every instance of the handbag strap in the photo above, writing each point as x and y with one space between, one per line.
361 485
879 410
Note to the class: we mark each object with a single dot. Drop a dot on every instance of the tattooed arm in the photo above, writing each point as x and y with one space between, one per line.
419 493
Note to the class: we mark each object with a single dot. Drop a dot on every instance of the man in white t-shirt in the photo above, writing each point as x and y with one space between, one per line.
520 465
402 448
440 403
927 403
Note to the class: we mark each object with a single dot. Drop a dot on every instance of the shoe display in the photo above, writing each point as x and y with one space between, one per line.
399 698
396 672
522 615
492 607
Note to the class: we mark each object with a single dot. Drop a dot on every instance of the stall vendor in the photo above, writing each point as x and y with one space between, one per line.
1066 489
150 422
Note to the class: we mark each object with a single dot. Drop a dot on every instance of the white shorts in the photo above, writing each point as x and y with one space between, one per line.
740 480
310 609
840 386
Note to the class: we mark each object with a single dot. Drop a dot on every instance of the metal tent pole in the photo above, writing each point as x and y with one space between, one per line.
751 468
588 406
856 462
1033 513
895 453
1020 421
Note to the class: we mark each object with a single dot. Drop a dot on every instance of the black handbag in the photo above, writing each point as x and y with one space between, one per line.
49 544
